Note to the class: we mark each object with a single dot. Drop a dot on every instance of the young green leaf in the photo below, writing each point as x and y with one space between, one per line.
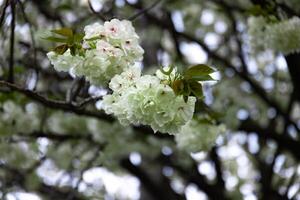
78 37
67 32
178 86
56 39
61 49
73 50
92 45
198 70
196 89
93 38
201 78
186 89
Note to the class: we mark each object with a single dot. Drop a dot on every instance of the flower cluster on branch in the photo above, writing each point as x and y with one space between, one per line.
147 100
280 36
165 101
104 51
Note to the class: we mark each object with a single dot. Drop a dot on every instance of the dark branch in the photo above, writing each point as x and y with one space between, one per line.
55 104
144 10
269 133
98 14
12 42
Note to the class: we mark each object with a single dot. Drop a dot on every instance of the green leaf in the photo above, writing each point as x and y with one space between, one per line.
81 52
202 78
67 32
73 50
78 38
196 89
61 49
178 86
56 39
92 45
70 41
198 70
93 38
186 89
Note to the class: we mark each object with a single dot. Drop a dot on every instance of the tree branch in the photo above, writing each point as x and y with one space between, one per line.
12 42
55 104
98 14
144 10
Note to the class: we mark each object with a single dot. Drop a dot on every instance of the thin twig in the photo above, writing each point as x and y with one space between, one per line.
143 11
70 90
88 100
98 14
74 90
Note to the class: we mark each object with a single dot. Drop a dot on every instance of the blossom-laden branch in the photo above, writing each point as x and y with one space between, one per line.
107 53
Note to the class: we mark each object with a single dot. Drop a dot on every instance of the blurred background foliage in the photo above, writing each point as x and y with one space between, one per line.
55 144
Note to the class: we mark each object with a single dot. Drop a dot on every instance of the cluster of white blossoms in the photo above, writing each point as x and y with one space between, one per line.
13 117
109 49
198 136
147 100
283 36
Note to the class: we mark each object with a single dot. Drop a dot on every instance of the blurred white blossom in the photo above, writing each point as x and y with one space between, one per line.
283 36
197 135
13 118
